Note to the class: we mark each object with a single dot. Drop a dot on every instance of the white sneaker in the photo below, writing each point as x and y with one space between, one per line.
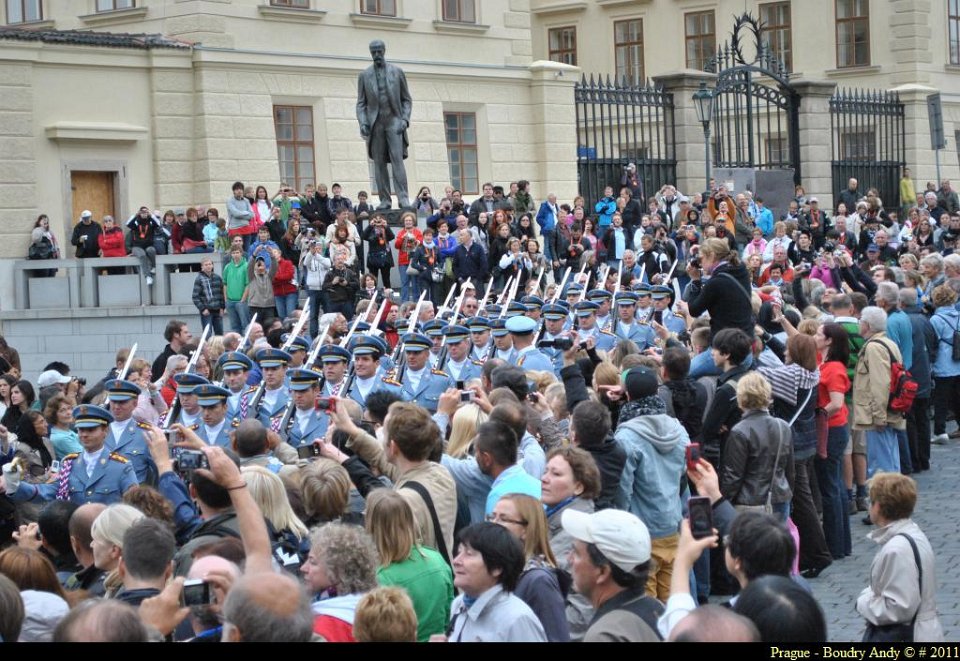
149 280
940 439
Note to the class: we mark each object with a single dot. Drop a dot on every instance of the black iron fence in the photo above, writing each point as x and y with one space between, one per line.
618 124
868 139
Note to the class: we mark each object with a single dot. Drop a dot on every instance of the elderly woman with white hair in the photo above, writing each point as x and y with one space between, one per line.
107 534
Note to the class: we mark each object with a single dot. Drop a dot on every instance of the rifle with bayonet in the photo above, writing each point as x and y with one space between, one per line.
174 411
294 333
401 358
442 358
308 364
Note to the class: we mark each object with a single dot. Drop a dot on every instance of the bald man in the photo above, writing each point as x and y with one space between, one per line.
714 624
205 620
267 608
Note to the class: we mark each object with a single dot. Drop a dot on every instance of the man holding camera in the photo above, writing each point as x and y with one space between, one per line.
341 285
95 475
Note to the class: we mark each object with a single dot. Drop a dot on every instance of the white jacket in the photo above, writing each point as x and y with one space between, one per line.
894 592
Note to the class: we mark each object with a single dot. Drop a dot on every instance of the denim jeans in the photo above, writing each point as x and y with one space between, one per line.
214 318
903 445
286 304
883 452
239 315
836 521
548 244
409 286
317 301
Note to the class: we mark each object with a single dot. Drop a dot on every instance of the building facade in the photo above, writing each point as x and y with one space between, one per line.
95 113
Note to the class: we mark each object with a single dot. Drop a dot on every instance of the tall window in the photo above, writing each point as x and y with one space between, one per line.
563 45
460 11
953 27
298 4
858 145
294 126
379 7
776 23
853 33
112 5
461 130
23 11
700 38
628 50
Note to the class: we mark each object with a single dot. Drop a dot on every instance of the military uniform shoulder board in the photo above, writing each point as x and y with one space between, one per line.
606 332
477 362
438 372
143 425
251 389
235 423
389 380
119 457
520 361
70 457
194 427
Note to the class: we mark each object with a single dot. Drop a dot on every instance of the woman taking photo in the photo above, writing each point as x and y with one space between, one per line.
291 242
727 295
43 244
499 246
379 256
447 243
833 344
488 564
427 261
112 243
408 239
341 243
419 570
539 585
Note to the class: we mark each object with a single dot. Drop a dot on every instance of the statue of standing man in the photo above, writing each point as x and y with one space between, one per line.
383 110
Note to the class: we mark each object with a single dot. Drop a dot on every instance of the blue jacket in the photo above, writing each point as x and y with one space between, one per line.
900 330
924 351
546 218
605 208
764 221
133 446
655 446
470 263
944 322
112 476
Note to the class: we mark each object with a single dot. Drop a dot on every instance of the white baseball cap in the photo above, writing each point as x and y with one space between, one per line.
622 538
86 214
51 377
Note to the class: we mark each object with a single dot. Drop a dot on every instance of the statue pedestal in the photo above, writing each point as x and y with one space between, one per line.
393 216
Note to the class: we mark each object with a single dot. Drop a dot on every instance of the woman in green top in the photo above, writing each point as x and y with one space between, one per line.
59 415
420 570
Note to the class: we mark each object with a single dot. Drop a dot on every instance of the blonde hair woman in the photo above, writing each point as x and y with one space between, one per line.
325 486
270 495
464 428
107 534
419 570
727 295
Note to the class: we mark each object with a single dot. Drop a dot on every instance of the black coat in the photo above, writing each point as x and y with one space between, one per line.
728 307
470 263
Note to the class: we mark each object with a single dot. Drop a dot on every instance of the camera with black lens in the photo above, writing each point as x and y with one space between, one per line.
829 246
191 460
560 343
80 380
695 263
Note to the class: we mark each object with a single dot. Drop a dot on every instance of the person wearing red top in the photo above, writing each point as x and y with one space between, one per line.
284 285
112 243
833 343
408 240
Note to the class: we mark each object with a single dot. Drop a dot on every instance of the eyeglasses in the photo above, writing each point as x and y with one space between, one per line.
496 518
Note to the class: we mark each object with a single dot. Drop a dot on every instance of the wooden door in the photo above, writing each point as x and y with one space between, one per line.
92 191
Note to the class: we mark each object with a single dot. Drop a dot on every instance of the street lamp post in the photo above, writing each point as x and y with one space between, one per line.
703 103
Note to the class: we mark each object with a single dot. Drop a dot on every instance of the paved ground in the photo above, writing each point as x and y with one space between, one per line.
938 514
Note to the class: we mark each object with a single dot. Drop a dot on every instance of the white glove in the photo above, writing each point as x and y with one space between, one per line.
11 478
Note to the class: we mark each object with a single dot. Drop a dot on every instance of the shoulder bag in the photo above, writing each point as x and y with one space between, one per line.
899 632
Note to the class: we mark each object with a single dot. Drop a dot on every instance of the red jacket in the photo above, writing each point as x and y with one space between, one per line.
283 283
112 243
403 257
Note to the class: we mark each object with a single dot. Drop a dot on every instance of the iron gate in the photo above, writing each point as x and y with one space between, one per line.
755 125
868 140
618 124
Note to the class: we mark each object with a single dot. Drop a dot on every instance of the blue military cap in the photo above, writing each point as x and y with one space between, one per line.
446 315
642 289
380 342
626 298
187 383
296 344
532 302
331 353
301 379
564 304
478 324
234 360
599 295
433 328
416 342
515 309
493 310
454 334
586 308
660 292
362 327
499 327
272 358
521 325
365 345
573 288
120 391
402 324
88 416
210 395
554 311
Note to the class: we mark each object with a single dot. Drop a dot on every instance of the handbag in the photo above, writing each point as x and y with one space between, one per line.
899 632
41 250
954 354
412 272
823 430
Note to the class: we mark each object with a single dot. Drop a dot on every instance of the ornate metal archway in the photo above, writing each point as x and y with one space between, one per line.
755 109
